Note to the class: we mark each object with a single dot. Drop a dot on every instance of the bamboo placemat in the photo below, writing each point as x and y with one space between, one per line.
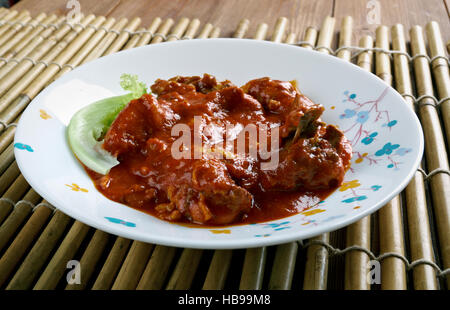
409 237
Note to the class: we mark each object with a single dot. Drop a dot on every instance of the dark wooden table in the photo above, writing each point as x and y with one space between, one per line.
226 14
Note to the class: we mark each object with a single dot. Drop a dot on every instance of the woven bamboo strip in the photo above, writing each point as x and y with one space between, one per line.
283 267
40 75
107 40
416 203
69 51
13 194
215 33
18 248
192 29
178 30
35 48
280 29
6 158
310 37
163 30
12 84
3 12
123 37
21 211
55 269
182 276
261 32
27 33
12 16
126 280
112 264
133 266
253 270
286 254
316 268
436 154
206 30
338 237
359 233
155 273
90 46
5 181
17 27
440 73
39 253
391 227
146 36
218 270
6 137
19 31
241 29
90 259
291 38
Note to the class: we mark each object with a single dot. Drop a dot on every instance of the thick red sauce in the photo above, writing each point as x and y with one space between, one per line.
222 186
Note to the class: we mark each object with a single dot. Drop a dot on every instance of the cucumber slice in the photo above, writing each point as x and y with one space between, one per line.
88 126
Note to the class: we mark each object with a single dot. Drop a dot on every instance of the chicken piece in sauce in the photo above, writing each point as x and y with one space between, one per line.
210 190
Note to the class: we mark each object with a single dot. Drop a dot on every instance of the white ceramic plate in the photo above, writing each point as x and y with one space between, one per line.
386 136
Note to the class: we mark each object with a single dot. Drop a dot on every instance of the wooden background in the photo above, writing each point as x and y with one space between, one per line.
226 14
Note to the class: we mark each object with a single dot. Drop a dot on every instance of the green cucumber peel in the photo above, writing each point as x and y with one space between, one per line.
88 126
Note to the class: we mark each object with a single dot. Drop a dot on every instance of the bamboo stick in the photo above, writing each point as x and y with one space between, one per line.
178 30
215 33
13 194
316 268
182 276
391 234
163 30
38 45
157 268
157 22
6 158
280 29
21 211
440 73
3 12
36 258
192 29
90 258
283 267
12 257
112 264
90 46
359 233
15 81
241 29
55 269
12 16
19 31
133 266
25 35
5 180
261 32
291 38
253 270
218 270
416 203
345 38
107 40
435 151
310 38
206 30
40 75
17 27
145 37
123 37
